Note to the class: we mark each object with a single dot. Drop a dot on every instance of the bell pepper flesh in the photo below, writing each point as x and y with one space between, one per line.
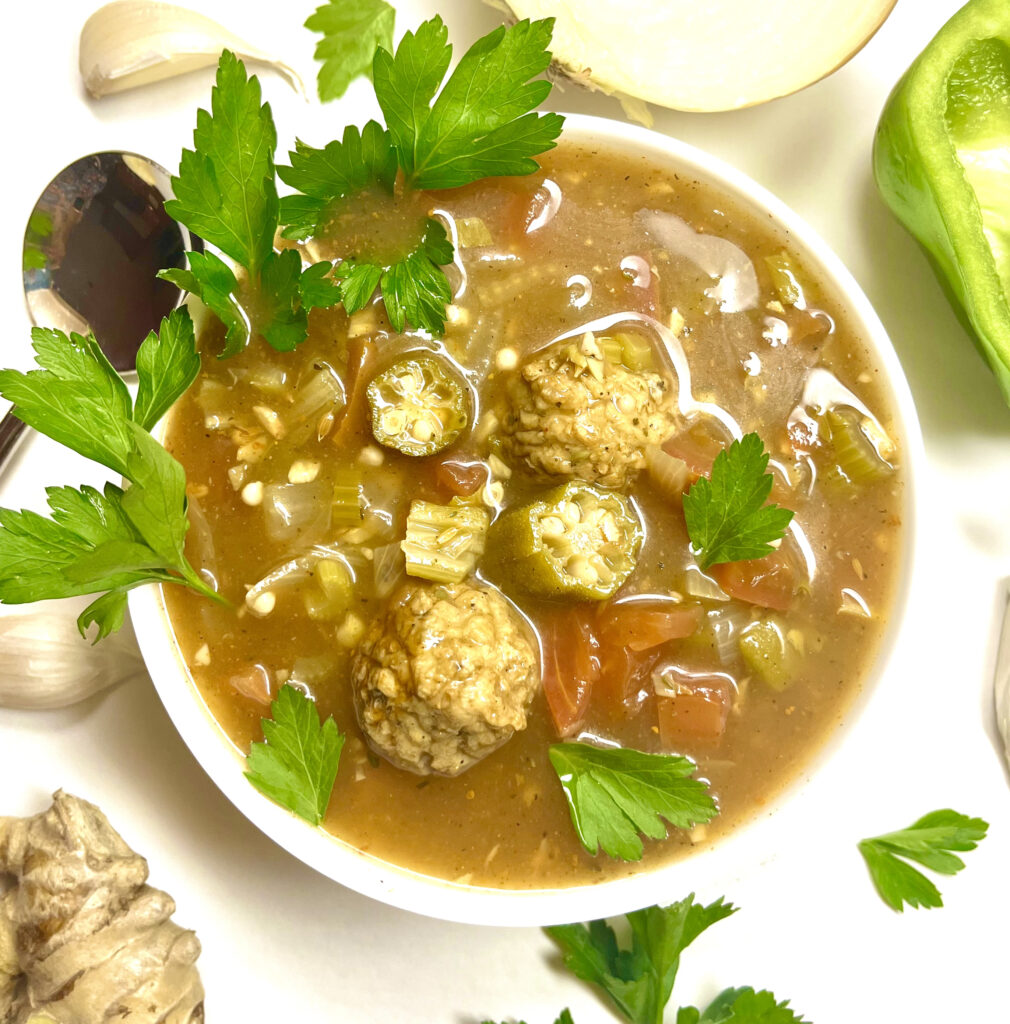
941 160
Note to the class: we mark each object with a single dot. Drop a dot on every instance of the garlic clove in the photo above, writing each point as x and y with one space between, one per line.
45 663
130 43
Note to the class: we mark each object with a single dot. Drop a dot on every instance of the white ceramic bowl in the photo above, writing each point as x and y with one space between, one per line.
708 869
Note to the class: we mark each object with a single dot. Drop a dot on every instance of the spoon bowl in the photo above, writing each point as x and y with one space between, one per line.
94 242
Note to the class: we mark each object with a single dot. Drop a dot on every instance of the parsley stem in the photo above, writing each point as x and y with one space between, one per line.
193 580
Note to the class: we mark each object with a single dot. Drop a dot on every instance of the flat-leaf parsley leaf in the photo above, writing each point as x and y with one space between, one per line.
639 979
927 841
226 193
352 31
741 1006
297 763
481 124
102 542
615 793
727 518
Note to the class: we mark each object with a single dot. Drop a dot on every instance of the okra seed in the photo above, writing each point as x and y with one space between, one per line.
421 430
551 526
507 359
271 421
263 603
570 513
303 471
371 455
582 569
252 494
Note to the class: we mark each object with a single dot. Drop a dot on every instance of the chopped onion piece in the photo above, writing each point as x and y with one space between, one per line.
389 568
294 510
697 584
667 472
726 625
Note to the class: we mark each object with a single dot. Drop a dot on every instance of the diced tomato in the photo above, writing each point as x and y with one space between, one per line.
518 211
571 666
642 625
616 669
698 712
459 477
767 582
254 682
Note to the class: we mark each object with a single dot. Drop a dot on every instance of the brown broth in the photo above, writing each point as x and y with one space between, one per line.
504 822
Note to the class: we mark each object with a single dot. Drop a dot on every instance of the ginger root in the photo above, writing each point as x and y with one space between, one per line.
83 939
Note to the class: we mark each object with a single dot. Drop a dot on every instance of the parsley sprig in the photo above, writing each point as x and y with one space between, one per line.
929 842
615 793
352 32
481 122
297 763
727 518
565 1017
102 542
226 193
639 979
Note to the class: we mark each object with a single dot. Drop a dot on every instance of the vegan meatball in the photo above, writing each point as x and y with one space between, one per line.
577 411
444 678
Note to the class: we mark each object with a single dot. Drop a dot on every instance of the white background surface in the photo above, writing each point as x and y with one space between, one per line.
282 943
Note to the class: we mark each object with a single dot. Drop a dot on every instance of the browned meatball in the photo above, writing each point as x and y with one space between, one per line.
576 413
444 678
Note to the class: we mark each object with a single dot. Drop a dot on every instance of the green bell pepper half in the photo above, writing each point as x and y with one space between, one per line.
941 160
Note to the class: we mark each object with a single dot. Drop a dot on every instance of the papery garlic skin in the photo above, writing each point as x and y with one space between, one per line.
45 663
130 43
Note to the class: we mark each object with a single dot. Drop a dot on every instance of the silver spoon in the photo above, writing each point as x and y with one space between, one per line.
95 240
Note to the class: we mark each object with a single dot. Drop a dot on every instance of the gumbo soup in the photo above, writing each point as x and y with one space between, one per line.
466 548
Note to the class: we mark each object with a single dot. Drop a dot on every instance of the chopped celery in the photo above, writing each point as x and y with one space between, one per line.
334 593
611 347
444 542
348 499
636 352
855 461
336 580
764 649
785 279
316 606
472 231
631 350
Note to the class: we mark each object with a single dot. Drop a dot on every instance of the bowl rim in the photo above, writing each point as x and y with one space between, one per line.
710 863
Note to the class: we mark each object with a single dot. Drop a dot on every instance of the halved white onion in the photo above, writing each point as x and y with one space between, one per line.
717 55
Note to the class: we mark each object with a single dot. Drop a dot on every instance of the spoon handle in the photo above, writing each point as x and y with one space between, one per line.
11 430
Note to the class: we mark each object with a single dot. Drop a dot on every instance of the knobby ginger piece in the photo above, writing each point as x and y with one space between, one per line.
83 938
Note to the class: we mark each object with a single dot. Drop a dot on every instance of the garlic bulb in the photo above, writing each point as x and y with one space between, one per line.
45 663
135 42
